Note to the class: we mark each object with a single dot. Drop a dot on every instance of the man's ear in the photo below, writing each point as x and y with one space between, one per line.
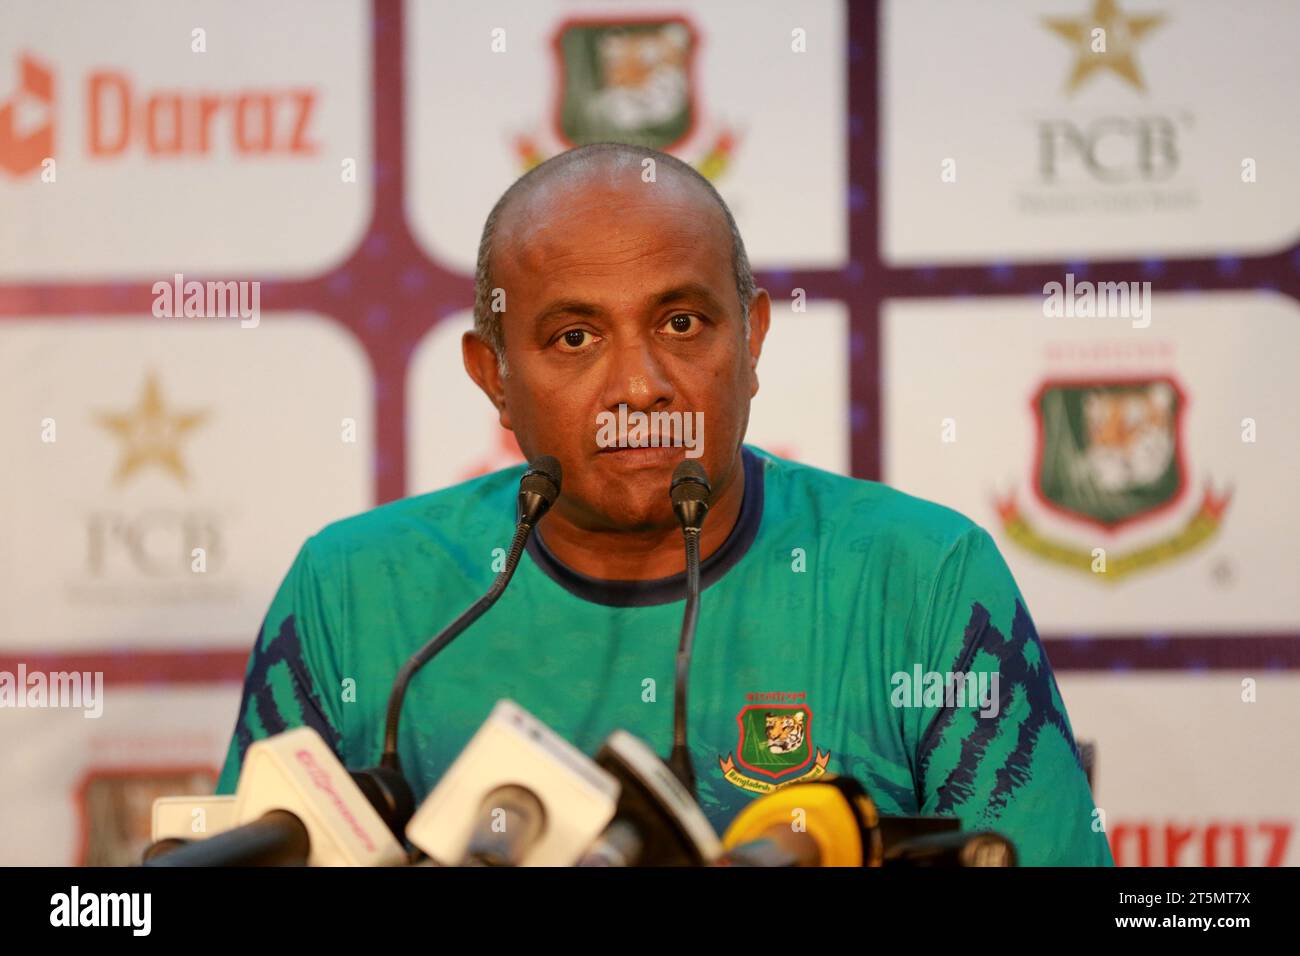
760 316
481 363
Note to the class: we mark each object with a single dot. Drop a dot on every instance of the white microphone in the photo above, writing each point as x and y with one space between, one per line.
295 804
518 794
177 821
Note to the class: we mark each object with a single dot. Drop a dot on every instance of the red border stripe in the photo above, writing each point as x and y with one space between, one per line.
142 667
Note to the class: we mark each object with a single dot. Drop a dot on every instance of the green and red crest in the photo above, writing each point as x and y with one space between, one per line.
1110 451
775 744
626 80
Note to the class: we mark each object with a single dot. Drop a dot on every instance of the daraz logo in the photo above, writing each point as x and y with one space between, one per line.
166 124
22 150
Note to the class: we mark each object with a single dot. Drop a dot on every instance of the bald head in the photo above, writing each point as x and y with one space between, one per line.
535 203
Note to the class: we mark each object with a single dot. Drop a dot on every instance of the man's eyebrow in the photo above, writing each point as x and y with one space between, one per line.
562 307
689 290
576 307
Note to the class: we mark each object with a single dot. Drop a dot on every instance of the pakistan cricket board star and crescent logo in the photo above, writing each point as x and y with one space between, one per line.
1105 39
1110 452
775 743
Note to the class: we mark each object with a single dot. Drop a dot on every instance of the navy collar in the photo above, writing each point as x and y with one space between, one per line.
614 592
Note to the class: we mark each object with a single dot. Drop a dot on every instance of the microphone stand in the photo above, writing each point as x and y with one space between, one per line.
537 492
690 492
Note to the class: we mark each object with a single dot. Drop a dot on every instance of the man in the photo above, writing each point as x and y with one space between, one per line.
844 627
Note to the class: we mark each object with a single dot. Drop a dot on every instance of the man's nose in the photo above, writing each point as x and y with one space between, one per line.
636 377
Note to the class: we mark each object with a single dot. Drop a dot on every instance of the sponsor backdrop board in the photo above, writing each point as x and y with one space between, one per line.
78 788
1135 475
343 155
1120 129
147 137
1193 770
685 78
164 475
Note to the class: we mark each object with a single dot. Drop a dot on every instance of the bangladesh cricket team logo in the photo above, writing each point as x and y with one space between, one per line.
1110 453
776 746
628 80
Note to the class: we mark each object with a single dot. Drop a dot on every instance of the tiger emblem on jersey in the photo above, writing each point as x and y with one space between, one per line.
785 732
774 747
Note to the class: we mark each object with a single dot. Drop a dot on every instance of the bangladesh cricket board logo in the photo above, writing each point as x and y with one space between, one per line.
1110 453
627 80
775 744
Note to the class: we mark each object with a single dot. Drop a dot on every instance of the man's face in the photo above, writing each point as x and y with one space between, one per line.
620 292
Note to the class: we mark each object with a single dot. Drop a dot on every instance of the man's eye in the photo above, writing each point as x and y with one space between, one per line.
684 323
575 339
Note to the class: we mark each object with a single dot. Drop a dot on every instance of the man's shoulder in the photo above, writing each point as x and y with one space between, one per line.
853 510
479 508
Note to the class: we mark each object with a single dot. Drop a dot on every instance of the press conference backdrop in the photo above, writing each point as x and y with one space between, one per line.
910 179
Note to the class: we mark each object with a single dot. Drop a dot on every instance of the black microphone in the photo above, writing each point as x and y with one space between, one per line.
279 838
538 490
690 492
656 822
985 849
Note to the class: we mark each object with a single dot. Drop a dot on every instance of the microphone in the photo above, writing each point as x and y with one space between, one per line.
689 492
985 848
295 805
831 822
189 818
517 795
179 821
278 838
510 823
538 490
657 822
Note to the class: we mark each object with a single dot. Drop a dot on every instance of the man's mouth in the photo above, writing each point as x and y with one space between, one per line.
643 457
640 439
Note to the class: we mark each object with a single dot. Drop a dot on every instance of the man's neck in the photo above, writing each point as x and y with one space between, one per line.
642 556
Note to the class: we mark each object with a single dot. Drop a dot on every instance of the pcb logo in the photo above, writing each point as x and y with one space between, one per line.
1110 453
775 743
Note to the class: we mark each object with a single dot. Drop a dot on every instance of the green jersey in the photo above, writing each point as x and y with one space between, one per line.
844 628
